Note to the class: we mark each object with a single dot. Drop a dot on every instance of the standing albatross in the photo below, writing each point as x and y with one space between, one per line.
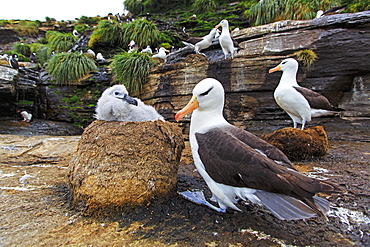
237 165
226 42
298 102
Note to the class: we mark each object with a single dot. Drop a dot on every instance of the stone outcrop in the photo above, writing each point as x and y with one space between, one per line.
341 42
341 73
119 165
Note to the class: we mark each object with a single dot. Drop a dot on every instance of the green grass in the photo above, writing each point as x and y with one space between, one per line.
70 68
132 70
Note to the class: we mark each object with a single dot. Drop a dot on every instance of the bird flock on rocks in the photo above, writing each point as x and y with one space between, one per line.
235 164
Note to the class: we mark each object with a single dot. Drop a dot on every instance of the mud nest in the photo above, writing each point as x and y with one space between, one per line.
300 144
120 165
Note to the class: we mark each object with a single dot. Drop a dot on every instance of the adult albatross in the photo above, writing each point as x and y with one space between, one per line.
226 42
298 102
236 165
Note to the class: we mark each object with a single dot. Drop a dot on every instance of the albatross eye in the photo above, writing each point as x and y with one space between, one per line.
206 92
116 93
284 62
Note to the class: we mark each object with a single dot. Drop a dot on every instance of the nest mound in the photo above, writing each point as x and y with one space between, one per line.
120 165
300 144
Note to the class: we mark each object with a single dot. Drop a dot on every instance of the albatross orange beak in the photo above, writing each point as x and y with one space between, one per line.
217 26
277 68
191 106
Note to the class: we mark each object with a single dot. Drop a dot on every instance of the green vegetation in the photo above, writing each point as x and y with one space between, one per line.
22 48
142 32
69 68
60 42
202 6
307 57
27 28
132 70
108 33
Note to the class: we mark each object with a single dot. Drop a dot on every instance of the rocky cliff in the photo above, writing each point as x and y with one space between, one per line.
341 73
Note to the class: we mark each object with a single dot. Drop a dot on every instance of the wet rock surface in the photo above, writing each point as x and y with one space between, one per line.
36 210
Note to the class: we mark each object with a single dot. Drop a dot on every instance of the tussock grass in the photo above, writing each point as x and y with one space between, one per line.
132 70
70 68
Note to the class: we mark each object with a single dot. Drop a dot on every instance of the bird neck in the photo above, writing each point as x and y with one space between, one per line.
203 120
289 78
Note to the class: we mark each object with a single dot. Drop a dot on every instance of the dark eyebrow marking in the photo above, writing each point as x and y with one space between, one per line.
206 92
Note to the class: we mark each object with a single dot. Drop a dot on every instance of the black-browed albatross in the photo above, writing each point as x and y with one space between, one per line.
298 102
237 165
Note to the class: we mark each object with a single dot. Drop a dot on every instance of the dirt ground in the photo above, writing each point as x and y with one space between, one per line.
35 200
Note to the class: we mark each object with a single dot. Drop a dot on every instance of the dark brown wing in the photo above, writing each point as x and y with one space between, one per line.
232 162
255 142
316 100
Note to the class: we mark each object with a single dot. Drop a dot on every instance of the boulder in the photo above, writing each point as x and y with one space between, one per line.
300 144
121 165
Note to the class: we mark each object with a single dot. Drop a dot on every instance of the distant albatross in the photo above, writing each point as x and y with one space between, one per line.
226 42
298 102
236 165
204 42
116 105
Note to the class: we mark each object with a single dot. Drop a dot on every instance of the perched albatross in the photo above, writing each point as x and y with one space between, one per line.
116 105
298 102
204 42
237 165
161 54
226 42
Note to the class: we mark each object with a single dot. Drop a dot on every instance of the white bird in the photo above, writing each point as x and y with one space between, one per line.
147 50
4 56
116 105
226 42
237 165
204 43
99 57
132 46
26 116
298 102
161 54
89 51
319 14
76 33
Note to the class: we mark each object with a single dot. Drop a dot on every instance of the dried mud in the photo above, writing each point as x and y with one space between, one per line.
36 209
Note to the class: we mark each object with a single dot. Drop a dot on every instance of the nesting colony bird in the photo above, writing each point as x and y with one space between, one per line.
91 52
26 116
161 54
147 50
298 102
76 33
225 39
116 105
13 61
34 58
237 165
204 42
132 46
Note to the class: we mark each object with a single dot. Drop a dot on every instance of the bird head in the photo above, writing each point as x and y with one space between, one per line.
223 24
120 92
289 63
208 95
